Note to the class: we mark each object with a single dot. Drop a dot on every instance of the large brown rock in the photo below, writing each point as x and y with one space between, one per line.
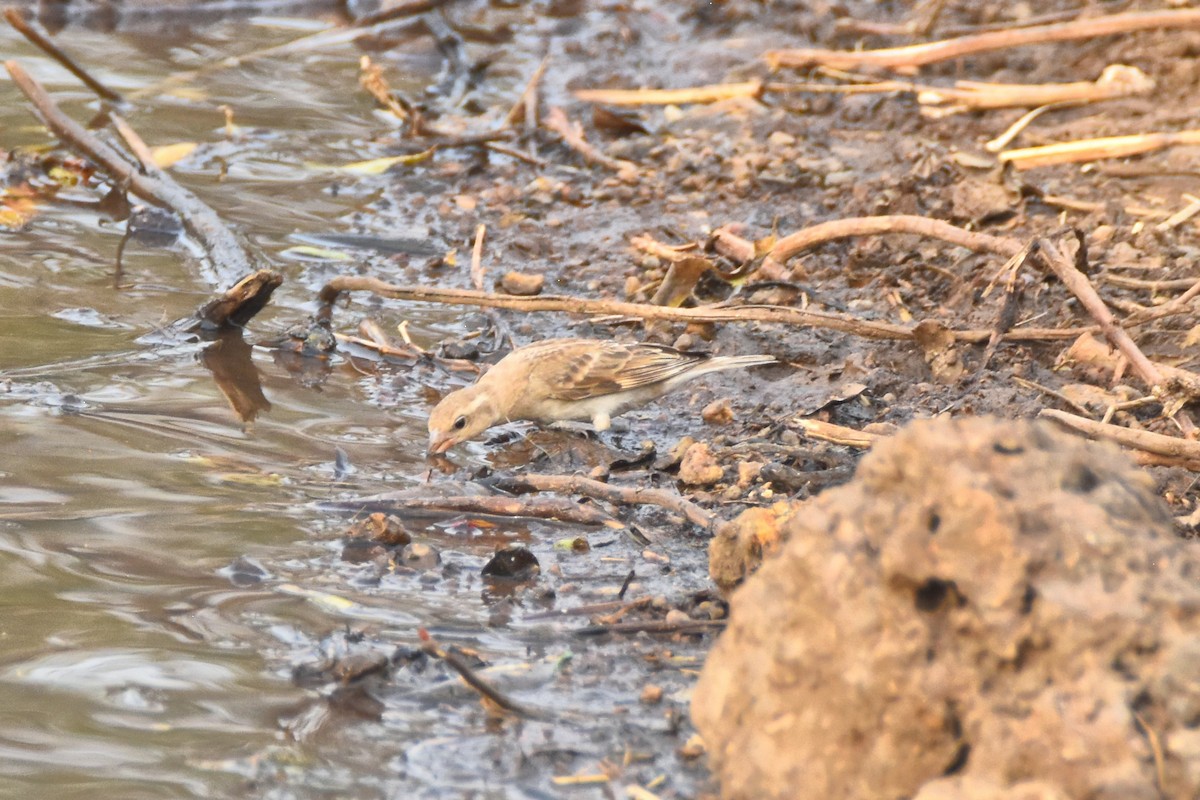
989 610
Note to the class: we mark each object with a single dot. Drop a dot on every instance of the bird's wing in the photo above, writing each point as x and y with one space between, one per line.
580 371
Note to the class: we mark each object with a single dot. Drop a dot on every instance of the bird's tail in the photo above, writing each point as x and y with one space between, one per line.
717 363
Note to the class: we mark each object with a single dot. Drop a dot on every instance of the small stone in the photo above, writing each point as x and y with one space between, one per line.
748 472
420 556
677 617
693 748
718 412
699 467
780 139
651 695
522 283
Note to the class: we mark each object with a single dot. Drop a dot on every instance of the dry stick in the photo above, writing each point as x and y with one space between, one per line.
472 679
525 109
488 505
477 257
409 8
1156 443
1078 284
626 495
1095 149
228 256
572 134
932 52
867 329
665 97
40 40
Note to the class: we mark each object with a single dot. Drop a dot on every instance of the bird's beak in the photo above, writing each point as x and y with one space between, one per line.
438 444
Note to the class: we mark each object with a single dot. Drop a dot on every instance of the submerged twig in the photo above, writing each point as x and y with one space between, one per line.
44 43
626 495
226 253
474 680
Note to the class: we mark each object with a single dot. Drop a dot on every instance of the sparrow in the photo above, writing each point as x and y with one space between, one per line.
569 379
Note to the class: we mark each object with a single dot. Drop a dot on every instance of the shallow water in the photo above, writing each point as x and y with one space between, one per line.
168 567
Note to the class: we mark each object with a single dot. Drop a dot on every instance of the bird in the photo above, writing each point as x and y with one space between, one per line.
560 380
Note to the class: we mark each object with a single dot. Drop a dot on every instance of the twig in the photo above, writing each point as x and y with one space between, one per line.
664 97
472 679
1078 284
1117 80
626 495
525 109
40 40
867 329
1095 149
477 257
838 434
655 626
932 52
406 8
572 134
559 510
1155 443
136 144
1182 215
224 251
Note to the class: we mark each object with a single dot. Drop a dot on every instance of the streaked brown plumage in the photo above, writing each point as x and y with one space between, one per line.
569 379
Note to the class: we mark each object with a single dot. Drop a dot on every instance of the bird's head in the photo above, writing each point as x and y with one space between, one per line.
461 415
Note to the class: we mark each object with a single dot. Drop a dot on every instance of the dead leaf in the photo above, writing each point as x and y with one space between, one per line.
171 154
680 281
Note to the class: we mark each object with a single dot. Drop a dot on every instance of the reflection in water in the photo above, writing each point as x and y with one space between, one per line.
228 359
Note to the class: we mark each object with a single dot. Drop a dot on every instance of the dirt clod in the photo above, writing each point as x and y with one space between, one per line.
718 412
699 466
522 283
991 609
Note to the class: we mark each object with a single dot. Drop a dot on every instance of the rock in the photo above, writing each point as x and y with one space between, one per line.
699 467
420 556
522 283
651 695
996 600
513 562
742 543
718 412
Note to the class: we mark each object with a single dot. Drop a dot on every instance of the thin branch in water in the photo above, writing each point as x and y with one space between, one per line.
472 679
226 254
44 43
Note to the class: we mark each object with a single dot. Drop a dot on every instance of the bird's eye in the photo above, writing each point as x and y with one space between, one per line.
460 423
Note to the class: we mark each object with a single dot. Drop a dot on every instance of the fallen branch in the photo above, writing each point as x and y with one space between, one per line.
1079 285
559 510
43 42
625 495
228 257
867 329
838 434
917 55
664 97
1157 444
572 134
1096 149
694 626
1117 80
472 679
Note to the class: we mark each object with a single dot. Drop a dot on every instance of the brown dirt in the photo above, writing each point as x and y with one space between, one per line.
992 600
